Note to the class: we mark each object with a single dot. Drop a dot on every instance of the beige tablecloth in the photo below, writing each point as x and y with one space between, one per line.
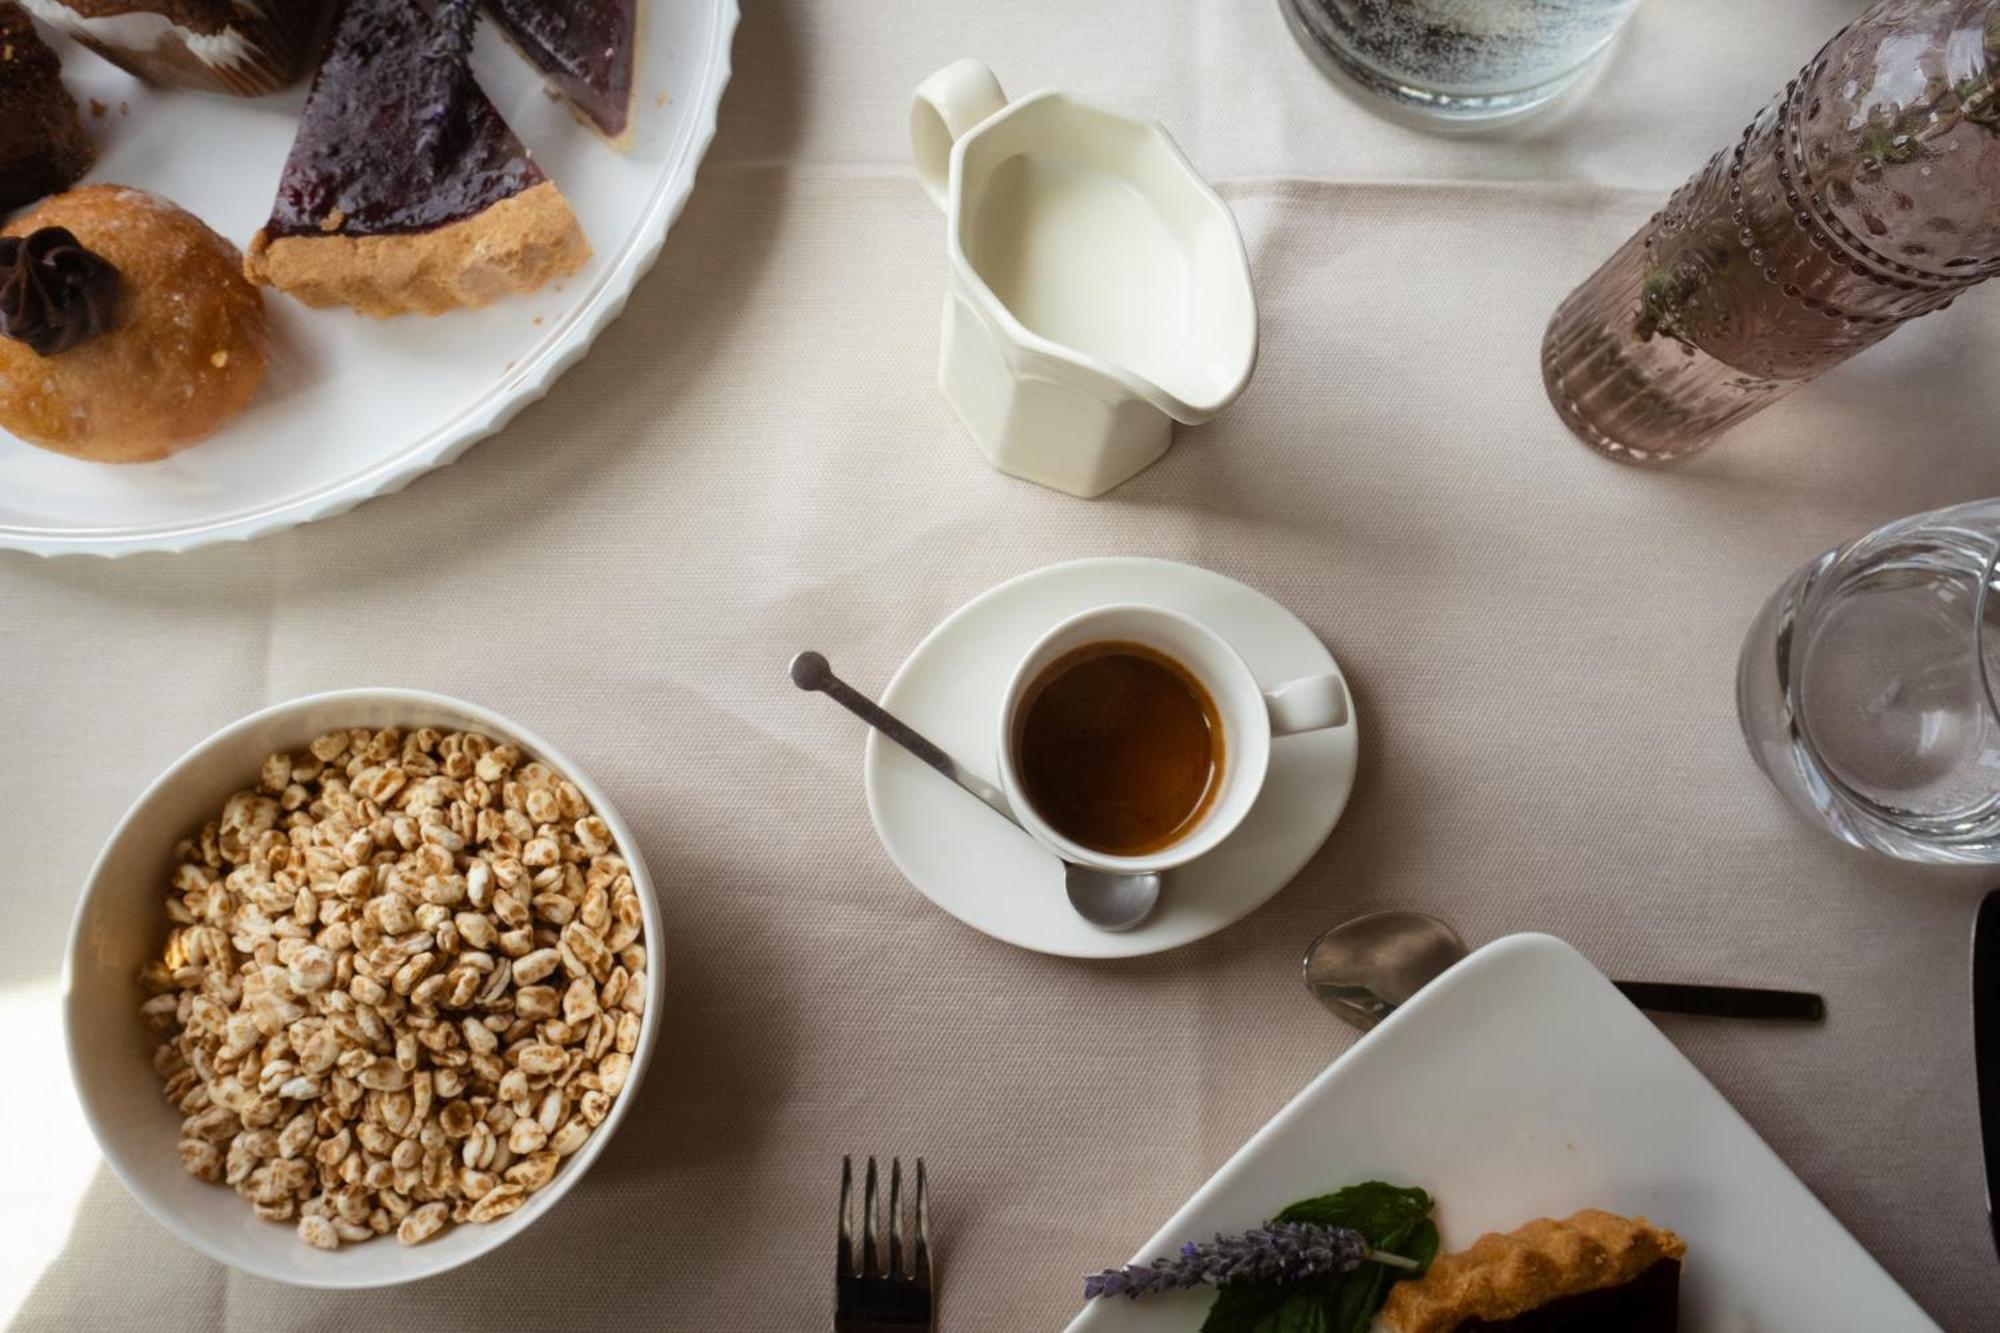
755 460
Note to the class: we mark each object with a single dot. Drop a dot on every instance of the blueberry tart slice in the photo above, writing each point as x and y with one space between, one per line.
584 48
1592 1273
405 191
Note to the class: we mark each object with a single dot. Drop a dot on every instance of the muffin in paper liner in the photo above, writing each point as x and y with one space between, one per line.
242 47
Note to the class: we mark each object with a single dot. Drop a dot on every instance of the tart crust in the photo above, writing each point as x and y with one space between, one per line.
511 246
1503 1276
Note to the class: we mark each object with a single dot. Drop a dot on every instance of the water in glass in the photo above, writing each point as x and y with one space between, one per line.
1464 61
1865 688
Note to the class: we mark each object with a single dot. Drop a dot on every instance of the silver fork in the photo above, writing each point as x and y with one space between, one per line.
888 1290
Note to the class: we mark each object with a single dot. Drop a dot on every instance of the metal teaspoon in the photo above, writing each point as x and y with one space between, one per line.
1107 901
1365 968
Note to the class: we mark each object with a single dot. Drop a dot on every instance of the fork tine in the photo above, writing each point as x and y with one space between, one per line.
920 1263
869 1267
846 1260
896 1219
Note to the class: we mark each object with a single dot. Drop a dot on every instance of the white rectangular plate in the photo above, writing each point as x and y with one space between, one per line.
1521 1084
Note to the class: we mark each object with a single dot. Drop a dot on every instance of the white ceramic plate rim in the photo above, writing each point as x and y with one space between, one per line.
511 393
1130 944
418 1263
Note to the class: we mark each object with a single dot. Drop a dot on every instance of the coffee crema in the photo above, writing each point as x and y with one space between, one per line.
1119 748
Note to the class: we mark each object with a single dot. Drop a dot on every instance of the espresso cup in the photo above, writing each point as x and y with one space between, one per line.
1247 716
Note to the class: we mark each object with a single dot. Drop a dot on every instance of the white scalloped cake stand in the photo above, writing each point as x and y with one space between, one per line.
354 408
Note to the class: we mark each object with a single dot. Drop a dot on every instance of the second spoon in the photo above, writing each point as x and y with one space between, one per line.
1364 969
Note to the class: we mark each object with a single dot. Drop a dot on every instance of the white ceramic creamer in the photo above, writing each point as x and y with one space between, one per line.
1099 288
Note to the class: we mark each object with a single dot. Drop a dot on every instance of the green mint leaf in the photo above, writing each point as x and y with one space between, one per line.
1395 1220
1378 1211
1364 1291
1267 1307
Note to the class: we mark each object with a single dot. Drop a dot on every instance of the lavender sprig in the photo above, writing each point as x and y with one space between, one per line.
1279 1252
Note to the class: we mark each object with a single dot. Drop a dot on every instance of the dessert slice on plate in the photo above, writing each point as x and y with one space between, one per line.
43 149
1591 1273
585 48
405 190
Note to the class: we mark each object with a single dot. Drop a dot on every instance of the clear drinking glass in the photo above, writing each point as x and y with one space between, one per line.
1459 61
1866 688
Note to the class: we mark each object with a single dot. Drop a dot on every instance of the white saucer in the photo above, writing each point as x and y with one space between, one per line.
997 879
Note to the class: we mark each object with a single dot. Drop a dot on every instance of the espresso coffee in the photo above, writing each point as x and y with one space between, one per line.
1119 748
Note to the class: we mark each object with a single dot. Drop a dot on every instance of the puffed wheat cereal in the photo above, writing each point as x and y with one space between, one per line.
402 983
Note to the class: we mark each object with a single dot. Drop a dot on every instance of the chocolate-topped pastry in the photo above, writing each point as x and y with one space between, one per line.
54 293
584 47
1593 1272
245 47
43 149
405 190
127 329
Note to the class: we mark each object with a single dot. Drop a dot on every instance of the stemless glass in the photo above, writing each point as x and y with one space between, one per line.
1866 690
1459 62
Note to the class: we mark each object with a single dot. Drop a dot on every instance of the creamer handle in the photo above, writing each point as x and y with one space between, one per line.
946 105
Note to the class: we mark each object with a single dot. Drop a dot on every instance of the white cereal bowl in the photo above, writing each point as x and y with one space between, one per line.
120 923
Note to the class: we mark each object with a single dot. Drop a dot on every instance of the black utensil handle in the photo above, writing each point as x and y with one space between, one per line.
1667 997
1986 1044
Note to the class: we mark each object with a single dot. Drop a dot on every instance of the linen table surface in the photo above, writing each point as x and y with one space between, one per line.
756 460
